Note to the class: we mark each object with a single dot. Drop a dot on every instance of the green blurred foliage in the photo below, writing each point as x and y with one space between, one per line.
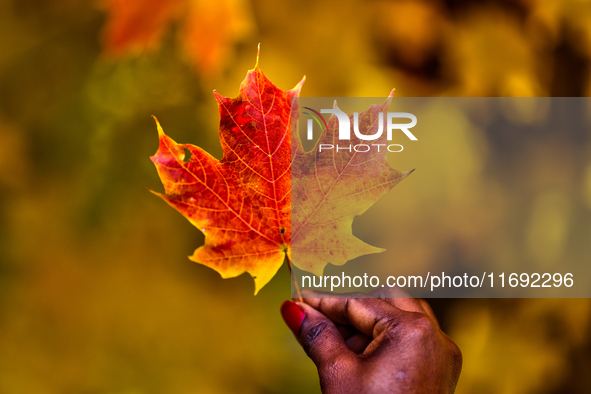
96 291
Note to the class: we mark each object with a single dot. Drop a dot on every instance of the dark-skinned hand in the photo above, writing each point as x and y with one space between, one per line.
374 345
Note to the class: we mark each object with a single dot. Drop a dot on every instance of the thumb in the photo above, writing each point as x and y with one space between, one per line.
318 335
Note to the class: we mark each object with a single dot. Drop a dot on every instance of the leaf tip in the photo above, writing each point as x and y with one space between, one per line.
296 90
162 196
260 280
160 131
219 98
266 271
389 99
259 283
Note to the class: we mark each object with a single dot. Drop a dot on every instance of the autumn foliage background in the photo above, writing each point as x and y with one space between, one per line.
96 291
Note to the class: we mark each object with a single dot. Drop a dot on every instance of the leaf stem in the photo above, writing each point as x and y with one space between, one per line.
299 297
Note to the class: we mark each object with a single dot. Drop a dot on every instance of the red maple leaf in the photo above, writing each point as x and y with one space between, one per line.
241 202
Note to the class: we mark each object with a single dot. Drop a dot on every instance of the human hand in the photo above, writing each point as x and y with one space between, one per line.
375 345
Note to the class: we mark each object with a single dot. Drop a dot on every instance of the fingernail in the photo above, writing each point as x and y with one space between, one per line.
293 314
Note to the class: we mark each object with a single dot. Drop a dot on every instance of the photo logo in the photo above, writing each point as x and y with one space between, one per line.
345 129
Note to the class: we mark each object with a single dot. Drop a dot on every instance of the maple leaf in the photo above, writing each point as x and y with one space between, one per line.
330 188
243 202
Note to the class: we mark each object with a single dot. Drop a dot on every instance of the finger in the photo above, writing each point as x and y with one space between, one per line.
429 311
369 315
321 339
406 304
399 298
393 295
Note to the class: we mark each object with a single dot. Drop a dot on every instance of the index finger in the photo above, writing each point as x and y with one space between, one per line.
370 316
400 299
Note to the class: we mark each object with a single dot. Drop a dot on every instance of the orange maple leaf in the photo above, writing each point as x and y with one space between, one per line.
243 202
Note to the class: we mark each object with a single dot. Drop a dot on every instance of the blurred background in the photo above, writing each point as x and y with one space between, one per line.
96 292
